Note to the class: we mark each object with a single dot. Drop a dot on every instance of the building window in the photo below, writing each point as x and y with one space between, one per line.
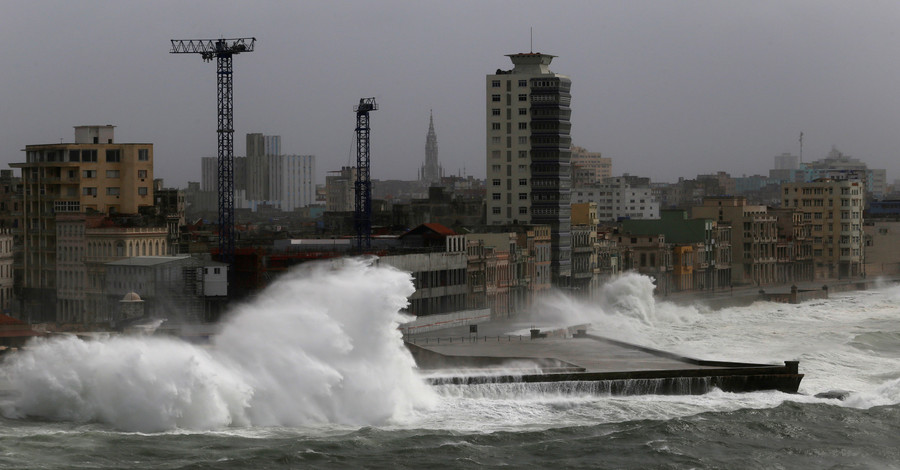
523 111
523 125
74 155
89 173
495 83
495 98
89 191
112 173
523 210
112 191
495 196
523 139
142 191
113 155
495 126
495 153
523 97
523 182
523 196
495 210
495 182
495 112
142 173
523 153
523 82
495 140
89 156
143 155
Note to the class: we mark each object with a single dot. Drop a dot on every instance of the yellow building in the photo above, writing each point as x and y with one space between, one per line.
93 174
834 209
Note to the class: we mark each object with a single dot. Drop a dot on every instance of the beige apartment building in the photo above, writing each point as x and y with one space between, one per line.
754 237
92 175
589 167
834 208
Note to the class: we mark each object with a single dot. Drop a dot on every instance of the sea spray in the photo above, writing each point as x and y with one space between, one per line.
320 345
625 309
146 384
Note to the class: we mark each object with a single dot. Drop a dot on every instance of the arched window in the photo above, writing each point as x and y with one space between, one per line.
120 248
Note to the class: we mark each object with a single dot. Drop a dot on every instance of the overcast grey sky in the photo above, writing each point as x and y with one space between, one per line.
664 88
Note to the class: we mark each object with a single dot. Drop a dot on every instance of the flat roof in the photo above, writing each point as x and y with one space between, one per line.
147 260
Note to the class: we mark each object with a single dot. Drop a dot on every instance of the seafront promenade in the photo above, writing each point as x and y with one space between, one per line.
510 352
746 295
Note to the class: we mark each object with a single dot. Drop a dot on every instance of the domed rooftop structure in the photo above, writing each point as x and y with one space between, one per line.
132 297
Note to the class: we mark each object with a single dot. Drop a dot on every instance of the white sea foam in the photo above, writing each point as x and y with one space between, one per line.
625 309
847 342
319 346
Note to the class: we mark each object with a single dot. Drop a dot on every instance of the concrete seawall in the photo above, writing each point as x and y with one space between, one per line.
585 363
746 295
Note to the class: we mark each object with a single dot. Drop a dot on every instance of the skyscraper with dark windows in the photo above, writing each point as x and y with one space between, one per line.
528 152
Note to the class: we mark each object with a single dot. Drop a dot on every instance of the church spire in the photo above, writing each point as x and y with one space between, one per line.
431 171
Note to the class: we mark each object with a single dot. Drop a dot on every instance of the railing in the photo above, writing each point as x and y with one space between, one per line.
465 339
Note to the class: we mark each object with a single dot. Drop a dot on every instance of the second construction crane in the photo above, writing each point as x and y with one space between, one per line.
222 50
362 209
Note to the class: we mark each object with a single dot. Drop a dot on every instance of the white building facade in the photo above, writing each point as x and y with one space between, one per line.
617 199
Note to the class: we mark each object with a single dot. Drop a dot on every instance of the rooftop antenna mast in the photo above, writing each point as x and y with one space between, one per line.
531 39
222 50
362 209
801 146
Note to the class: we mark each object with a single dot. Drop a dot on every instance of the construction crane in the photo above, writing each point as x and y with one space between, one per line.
362 210
222 50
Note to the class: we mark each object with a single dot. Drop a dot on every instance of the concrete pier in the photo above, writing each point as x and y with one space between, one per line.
572 356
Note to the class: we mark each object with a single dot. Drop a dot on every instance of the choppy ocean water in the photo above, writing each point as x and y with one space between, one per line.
276 392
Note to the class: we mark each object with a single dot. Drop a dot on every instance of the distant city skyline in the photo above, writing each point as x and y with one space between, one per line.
663 89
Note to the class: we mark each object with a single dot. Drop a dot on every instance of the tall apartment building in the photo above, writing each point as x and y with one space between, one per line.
835 210
528 152
292 181
259 148
209 174
6 268
339 190
93 174
589 167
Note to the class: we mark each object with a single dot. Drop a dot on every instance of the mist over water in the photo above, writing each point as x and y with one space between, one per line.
625 309
321 345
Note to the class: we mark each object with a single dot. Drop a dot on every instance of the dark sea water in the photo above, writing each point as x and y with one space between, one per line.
342 395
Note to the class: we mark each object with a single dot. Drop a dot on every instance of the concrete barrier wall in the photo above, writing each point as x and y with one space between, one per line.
436 322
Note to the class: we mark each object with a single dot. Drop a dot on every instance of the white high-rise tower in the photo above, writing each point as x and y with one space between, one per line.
528 152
